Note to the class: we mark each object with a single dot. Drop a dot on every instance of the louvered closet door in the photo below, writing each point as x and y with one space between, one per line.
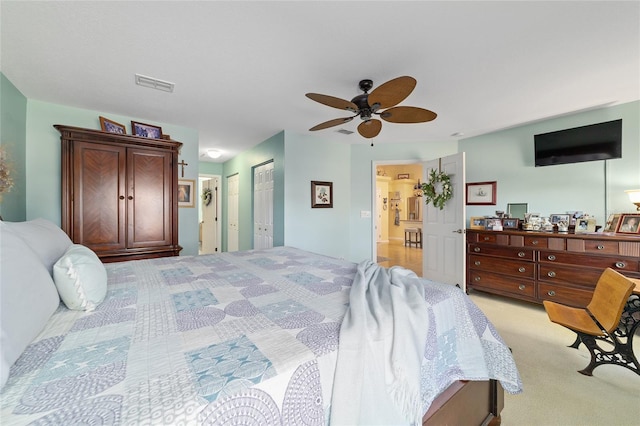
99 196
149 197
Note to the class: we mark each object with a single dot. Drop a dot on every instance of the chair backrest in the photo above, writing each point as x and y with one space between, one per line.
611 293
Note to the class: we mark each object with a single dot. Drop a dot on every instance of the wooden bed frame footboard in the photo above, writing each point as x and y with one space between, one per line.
467 403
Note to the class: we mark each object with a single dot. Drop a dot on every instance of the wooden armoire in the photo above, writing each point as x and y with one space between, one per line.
119 193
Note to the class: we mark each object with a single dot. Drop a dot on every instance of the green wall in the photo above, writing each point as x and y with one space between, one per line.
13 127
507 157
208 168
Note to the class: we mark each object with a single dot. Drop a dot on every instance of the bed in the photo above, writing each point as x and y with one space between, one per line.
247 337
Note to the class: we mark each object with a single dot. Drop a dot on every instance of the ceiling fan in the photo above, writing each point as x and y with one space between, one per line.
381 101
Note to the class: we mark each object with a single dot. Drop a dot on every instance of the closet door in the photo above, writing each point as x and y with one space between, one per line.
99 196
149 197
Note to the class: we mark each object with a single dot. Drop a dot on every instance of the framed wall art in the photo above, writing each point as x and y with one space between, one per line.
481 193
186 193
403 176
112 127
629 224
321 194
146 130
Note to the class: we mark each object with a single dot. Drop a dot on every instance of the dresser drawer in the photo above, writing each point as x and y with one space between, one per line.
576 275
507 252
535 241
564 294
514 268
618 263
592 246
501 283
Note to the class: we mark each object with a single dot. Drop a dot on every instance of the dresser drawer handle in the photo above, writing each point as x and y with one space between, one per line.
487 238
521 254
551 274
600 247
551 293
621 265
522 269
476 249
476 279
551 257
534 242
477 263
522 287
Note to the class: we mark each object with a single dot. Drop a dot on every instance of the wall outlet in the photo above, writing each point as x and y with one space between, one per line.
365 213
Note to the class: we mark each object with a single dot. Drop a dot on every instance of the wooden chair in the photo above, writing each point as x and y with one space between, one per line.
599 322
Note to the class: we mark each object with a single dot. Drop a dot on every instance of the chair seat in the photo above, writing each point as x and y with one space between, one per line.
576 319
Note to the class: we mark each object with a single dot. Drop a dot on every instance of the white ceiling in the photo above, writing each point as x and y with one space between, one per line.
241 69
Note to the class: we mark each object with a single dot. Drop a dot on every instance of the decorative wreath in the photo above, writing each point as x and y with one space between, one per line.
206 196
442 181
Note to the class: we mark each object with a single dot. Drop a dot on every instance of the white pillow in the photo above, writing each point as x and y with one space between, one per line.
81 278
28 298
46 239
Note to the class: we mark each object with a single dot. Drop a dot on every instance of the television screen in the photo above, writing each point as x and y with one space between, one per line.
602 141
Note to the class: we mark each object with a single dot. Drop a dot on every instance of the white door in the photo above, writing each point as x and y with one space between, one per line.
233 198
443 230
210 216
263 206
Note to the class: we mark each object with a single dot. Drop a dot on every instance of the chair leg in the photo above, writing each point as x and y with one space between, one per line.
621 354
576 343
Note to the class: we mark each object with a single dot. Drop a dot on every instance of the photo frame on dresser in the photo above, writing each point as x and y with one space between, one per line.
510 223
585 225
612 222
629 224
476 222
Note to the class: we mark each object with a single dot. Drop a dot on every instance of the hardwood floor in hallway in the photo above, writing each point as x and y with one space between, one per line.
396 253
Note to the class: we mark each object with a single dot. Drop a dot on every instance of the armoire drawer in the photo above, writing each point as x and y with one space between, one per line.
506 252
564 294
501 283
515 268
576 275
618 263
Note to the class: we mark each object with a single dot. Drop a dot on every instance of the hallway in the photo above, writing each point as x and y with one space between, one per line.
395 253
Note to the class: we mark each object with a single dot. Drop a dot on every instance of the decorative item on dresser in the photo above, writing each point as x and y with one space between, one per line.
119 193
537 266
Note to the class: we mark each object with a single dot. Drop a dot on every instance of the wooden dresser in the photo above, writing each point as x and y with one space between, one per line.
537 266
119 193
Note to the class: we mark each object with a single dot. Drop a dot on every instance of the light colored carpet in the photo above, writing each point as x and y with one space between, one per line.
554 392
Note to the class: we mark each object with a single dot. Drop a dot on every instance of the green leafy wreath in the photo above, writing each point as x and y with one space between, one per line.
206 196
442 180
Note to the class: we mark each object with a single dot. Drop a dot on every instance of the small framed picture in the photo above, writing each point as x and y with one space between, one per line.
186 193
146 130
493 224
612 223
629 224
403 176
481 193
112 127
510 223
476 222
321 194
555 218
585 225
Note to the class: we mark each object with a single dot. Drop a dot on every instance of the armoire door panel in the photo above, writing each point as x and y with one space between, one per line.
148 198
98 202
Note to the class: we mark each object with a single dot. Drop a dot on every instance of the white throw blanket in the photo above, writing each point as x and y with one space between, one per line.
382 341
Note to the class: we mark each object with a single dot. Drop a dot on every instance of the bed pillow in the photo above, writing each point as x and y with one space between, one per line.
28 298
81 278
46 239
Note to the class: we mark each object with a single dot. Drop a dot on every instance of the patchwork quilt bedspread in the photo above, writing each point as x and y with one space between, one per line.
243 337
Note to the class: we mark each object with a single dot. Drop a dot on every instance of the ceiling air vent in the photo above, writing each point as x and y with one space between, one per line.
154 83
344 131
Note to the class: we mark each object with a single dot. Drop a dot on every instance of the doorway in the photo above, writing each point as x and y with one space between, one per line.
398 207
209 214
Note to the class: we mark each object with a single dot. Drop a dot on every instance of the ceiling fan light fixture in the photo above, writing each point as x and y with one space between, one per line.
213 153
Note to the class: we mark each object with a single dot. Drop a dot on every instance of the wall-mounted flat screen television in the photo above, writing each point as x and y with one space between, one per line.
601 141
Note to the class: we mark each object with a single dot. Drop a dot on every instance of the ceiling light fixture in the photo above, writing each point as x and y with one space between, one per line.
154 83
213 153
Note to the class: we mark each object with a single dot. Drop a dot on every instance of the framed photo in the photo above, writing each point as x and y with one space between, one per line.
112 127
629 224
517 210
481 193
585 225
403 176
186 193
321 194
555 218
612 223
510 223
476 222
493 222
146 130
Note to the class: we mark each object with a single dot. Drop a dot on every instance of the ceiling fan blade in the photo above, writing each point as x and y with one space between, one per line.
392 92
370 129
407 114
333 102
331 123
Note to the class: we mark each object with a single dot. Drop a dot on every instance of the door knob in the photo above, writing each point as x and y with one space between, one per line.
458 231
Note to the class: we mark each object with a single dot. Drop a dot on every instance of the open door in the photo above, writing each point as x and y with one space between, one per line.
443 230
